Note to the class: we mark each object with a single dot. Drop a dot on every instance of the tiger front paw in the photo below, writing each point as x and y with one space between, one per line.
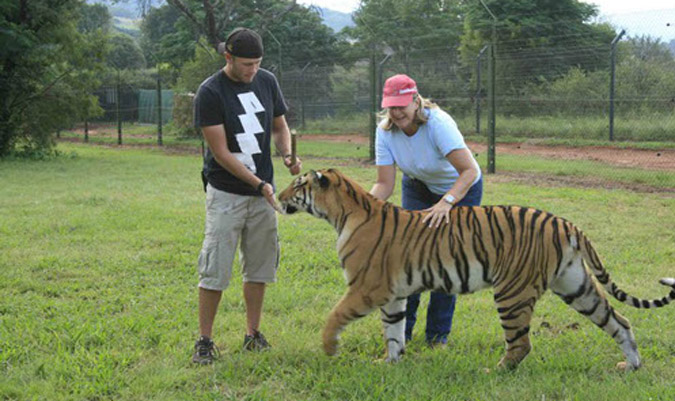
330 346
507 364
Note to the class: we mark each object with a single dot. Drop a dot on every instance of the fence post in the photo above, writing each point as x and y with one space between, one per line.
86 131
159 108
302 94
279 72
373 104
117 110
380 83
612 67
479 86
492 53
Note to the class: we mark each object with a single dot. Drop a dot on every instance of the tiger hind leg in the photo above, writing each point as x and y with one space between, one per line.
515 318
393 320
580 291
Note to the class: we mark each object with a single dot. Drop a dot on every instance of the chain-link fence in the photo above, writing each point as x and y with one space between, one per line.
135 104
530 102
585 94
124 106
620 92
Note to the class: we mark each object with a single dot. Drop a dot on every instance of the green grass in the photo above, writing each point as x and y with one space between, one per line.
644 131
347 153
642 128
582 169
353 123
98 251
132 134
572 142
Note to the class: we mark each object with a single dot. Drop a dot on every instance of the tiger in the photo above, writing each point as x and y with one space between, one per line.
388 253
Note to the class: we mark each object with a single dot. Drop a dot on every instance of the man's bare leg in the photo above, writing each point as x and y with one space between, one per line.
208 306
254 293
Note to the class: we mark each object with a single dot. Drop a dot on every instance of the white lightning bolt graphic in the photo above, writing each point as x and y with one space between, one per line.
247 140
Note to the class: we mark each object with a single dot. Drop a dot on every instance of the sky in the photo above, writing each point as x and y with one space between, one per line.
345 6
607 7
637 17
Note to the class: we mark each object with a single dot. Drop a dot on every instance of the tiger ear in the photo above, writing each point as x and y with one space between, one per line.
318 178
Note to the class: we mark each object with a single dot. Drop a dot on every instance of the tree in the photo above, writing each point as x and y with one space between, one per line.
297 36
422 38
47 70
292 33
537 39
166 37
213 22
407 26
649 49
94 17
125 54
645 78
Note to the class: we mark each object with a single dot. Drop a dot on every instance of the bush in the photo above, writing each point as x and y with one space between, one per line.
193 73
183 116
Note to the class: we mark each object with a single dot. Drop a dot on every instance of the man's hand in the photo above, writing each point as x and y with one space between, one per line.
293 168
268 192
437 213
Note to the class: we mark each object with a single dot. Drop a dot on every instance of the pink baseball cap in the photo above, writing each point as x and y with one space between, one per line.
398 91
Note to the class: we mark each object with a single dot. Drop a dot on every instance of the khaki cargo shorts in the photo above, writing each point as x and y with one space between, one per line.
233 219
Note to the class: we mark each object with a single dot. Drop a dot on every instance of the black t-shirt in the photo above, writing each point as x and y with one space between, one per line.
247 112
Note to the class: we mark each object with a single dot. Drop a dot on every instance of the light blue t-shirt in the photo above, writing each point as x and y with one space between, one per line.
422 156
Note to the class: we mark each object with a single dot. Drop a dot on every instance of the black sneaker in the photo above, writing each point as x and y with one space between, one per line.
256 342
205 351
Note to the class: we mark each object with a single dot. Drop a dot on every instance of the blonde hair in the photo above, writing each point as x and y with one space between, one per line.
420 116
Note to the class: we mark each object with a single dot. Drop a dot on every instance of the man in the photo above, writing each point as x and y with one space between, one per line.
239 110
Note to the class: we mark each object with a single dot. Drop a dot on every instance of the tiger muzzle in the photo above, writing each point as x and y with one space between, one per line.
288 209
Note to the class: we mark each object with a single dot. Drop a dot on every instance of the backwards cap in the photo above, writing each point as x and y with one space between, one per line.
242 42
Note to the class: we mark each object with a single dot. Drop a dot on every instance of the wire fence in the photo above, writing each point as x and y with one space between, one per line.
622 91
575 105
135 104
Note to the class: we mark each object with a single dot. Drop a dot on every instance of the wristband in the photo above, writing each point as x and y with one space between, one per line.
285 156
260 187
449 199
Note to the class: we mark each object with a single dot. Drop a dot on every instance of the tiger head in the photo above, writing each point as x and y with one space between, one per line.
306 193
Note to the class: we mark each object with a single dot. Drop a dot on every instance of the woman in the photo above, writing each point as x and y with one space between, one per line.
439 173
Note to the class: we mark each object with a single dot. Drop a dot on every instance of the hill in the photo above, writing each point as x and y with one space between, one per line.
336 20
126 16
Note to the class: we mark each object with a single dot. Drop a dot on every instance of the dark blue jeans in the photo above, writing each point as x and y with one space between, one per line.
416 196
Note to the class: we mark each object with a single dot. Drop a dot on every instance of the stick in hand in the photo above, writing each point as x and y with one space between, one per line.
293 147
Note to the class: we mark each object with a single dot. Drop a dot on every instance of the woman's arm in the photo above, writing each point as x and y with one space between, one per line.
467 168
465 165
384 186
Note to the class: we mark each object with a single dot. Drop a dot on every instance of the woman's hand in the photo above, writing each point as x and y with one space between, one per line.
437 213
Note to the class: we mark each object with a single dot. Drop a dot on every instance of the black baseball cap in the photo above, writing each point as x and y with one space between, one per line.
242 42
